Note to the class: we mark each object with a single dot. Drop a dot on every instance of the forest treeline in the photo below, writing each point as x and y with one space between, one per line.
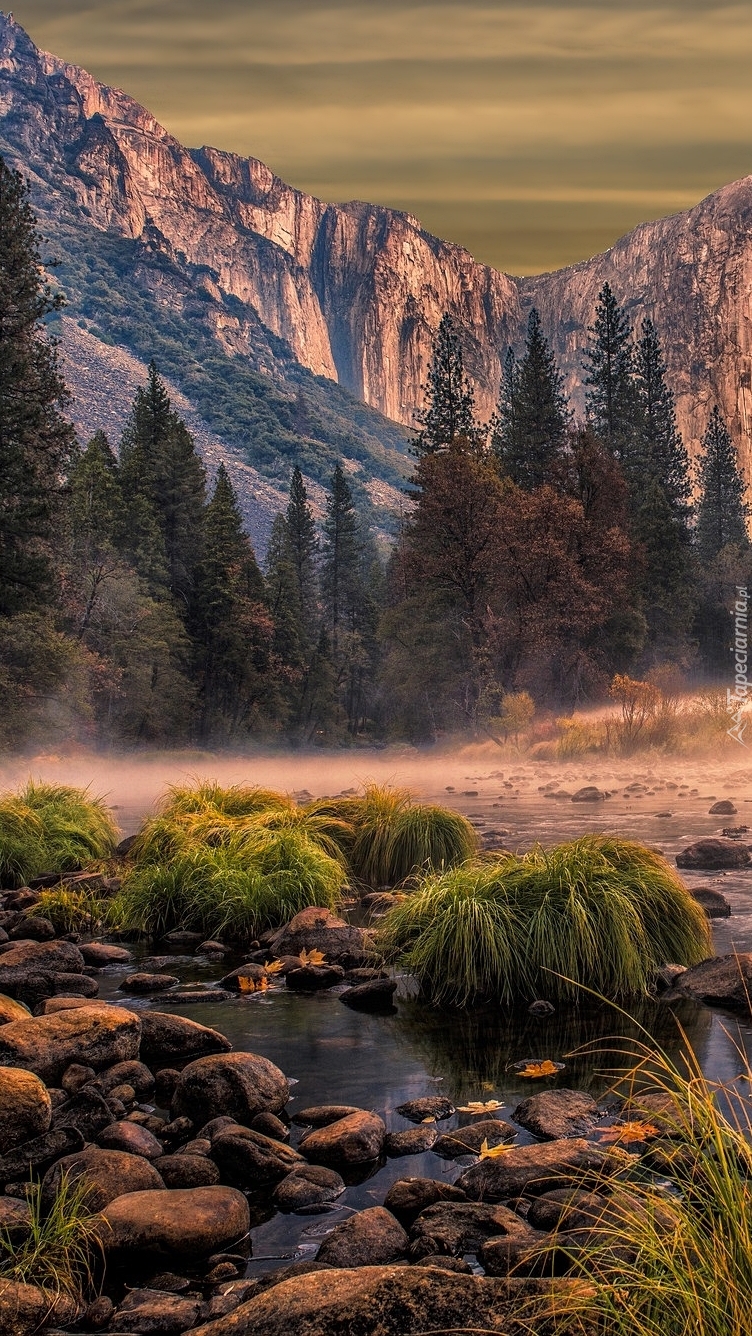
537 558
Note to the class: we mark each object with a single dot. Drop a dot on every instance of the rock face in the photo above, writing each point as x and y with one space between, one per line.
96 1035
357 291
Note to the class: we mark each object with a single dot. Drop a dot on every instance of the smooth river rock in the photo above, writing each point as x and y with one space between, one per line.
356 1139
533 1169
723 981
455 1228
317 929
107 1174
468 1140
250 1160
167 1039
370 1238
25 1108
96 1035
555 1114
237 1085
176 1223
11 1010
40 959
714 852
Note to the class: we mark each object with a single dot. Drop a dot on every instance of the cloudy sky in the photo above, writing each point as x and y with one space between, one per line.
533 133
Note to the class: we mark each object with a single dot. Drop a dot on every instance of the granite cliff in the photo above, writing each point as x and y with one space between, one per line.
353 293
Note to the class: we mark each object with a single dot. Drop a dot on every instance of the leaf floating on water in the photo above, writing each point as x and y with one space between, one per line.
493 1152
533 1070
478 1106
429 1119
626 1133
311 957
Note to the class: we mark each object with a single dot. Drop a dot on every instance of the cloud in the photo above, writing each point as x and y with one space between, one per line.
615 108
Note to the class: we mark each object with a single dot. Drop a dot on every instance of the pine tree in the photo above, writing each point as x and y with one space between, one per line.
611 399
661 453
722 511
532 418
164 484
35 440
283 597
232 628
94 505
448 418
303 544
665 582
340 557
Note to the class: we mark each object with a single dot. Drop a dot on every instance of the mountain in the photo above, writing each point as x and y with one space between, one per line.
280 317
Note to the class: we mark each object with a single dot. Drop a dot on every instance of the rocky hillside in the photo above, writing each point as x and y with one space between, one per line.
247 289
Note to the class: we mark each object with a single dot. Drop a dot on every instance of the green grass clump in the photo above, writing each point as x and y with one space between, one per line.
51 828
390 838
209 797
62 1247
598 913
71 909
672 1256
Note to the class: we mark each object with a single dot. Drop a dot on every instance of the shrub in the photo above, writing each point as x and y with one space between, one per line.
61 1249
599 912
673 1255
51 828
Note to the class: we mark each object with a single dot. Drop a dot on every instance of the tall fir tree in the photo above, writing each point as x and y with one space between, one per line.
340 559
348 587
448 418
164 484
611 395
283 597
530 430
303 544
92 518
661 453
722 510
35 439
231 625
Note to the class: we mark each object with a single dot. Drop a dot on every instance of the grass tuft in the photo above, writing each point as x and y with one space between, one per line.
52 828
62 1247
598 912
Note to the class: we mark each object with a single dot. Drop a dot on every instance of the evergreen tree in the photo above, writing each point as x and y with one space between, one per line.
302 542
611 399
532 418
448 418
349 584
283 597
665 582
661 453
163 483
93 515
232 628
722 511
35 440
340 557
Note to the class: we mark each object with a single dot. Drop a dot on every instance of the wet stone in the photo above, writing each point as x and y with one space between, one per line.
469 1140
308 1185
432 1106
414 1141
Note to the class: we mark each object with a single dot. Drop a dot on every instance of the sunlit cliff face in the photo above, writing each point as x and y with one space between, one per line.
534 134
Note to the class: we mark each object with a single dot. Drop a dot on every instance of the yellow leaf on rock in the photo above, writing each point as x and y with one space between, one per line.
429 1119
273 967
626 1133
493 1152
311 957
536 1069
246 983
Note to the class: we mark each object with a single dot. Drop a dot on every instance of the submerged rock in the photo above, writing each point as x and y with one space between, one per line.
432 1106
713 852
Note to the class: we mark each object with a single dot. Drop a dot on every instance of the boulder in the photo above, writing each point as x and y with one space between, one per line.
314 978
250 1160
71 985
706 854
371 1238
723 808
35 928
148 983
96 1035
156 1313
34 1157
533 1169
176 1223
107 1175
588 794
431 1106
356 1139
723 981
555 1114
469 1140
372 1301
271 1126
42 960
166 1039
455 1228
25 1108
15 1219
134 1073
183 939
11 1010
518 1253
319 930
414 1141
244 978
76 1076
238 1085
713 902
320 1115
566 1208
409 1196
52 1005
88 1111
131 1138
306 1186
101 954
188 1171
372 995
25 1309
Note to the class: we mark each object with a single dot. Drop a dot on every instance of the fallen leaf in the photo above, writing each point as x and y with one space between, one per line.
625 1133
311 957
246 983
536 1069
493 1152
273 967
429 1119
477 1106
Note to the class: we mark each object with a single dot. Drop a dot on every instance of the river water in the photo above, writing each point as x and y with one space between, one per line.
333 1054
